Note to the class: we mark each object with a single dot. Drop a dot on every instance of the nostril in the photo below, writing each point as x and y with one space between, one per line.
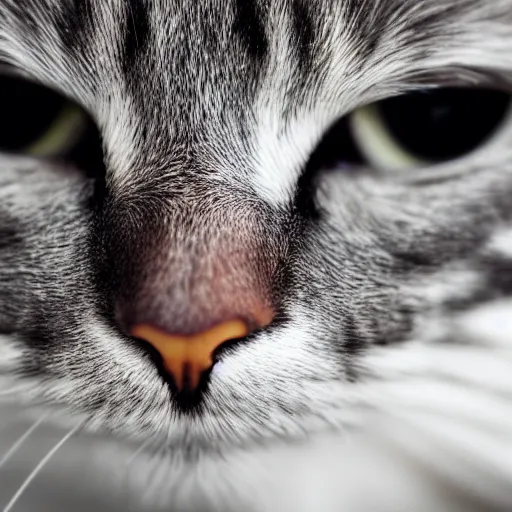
186 357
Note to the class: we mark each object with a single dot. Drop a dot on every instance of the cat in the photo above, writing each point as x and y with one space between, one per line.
374 290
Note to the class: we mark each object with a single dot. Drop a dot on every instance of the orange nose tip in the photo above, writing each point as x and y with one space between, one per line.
187 357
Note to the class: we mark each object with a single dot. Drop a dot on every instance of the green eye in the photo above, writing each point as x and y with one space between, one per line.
425 128
415 130
38 121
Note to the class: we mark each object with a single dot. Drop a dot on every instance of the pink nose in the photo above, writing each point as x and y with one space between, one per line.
188 287
187 297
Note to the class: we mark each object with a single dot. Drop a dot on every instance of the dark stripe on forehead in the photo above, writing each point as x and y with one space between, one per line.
303 37
366 29
249 26
137 33
75 24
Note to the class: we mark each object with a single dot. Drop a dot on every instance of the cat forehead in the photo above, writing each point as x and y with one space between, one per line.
238 88
185 35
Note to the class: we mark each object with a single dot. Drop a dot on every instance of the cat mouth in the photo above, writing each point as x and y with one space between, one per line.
189 400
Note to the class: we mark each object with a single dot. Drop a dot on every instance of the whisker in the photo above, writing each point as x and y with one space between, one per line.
137 452
17 445
40 466
16 389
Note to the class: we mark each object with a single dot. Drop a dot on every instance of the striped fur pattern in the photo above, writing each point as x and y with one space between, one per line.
392 290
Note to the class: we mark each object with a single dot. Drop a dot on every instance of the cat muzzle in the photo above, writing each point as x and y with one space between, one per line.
187 357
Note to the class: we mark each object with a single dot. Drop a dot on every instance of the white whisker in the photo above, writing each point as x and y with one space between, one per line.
137 452
16 389
40 466
17 445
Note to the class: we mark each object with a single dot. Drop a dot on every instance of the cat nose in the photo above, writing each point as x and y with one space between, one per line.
188 281
186 357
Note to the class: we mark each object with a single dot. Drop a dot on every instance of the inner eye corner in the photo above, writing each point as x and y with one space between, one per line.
40 122
336 149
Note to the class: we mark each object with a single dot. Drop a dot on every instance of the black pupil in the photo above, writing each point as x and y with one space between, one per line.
27 112
444 124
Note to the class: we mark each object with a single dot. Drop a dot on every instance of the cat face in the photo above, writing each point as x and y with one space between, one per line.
218 201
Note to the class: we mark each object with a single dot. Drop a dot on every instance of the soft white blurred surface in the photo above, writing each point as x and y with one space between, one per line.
387 467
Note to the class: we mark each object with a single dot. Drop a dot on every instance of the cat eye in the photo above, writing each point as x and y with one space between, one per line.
429 127
39 122
415 130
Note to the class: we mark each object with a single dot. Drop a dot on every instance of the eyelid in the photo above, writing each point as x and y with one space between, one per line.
462 76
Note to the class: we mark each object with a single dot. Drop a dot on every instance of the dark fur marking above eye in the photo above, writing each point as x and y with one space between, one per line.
137 33
361 24
249 26
368 21
303 34
75 24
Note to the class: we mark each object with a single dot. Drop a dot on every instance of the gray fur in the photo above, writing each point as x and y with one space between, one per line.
207 128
